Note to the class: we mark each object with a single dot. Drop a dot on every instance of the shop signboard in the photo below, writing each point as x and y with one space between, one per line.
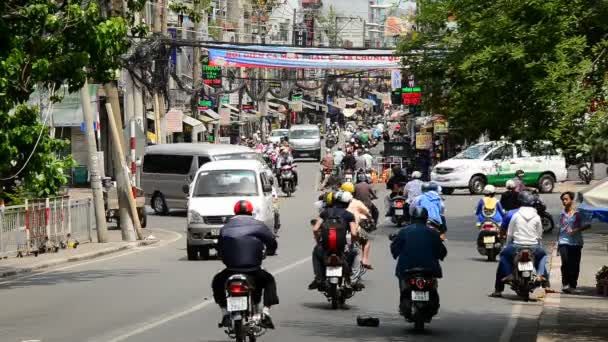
424 141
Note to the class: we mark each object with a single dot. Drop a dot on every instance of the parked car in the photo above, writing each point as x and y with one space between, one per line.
495 162
305 141
217 186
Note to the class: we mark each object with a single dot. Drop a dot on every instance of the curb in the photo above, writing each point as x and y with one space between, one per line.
86 256
551 303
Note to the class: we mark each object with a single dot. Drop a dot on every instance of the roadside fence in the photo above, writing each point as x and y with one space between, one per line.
24 228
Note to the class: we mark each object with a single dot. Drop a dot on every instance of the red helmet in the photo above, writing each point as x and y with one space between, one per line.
243 207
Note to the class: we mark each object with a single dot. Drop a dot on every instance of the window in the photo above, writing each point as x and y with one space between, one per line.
171 164
236 156
266 184
226 183
304 134
503 152
203 160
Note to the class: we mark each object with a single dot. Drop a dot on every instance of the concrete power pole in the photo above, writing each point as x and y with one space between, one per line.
160 27
100 213
196 54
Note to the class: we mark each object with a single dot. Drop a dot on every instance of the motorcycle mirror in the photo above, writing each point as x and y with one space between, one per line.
392 236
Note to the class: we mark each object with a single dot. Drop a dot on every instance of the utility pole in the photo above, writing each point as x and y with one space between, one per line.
100 213
196 53
293 29
160 27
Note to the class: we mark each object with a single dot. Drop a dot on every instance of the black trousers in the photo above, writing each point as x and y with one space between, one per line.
262 281
571 264
374 211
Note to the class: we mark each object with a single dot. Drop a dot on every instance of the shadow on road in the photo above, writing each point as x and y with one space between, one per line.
54 278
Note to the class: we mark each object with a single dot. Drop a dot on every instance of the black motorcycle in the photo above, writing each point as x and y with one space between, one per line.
524 279
419 300
489 240
400 212
244 316
545 217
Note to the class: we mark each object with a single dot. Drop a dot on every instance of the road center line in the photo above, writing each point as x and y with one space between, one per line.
507 332
156 323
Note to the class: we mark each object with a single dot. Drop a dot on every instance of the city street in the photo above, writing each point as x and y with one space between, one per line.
155 294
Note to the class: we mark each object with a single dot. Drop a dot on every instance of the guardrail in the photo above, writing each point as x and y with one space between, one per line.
24 228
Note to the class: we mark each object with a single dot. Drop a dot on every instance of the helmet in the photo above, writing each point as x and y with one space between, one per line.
343 197
329 199
416 175
243 207
328 150
510 184
489 190
361 177
526 198
432 186
519 173
420 214
348 186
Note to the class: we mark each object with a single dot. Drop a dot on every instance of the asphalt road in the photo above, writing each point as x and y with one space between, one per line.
155 294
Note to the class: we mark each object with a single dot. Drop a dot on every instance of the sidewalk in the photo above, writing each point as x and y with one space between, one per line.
582 316
13 266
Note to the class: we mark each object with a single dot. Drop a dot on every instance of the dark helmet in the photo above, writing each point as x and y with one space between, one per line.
361 177
526 199
420 214
243 207
519 173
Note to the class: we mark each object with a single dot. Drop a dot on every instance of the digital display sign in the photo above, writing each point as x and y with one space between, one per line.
212 76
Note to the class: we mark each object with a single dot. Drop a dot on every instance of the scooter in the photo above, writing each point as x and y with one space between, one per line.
545 217
244 313
489 240
524 279
400 212
585 172
287 179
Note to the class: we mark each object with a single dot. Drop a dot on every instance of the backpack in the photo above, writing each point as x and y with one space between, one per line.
333 232
489 207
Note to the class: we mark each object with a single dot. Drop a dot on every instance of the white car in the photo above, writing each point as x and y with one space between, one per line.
216 188
495 162
277 134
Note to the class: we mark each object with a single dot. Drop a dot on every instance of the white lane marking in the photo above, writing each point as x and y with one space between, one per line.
507 332
153 324
111 257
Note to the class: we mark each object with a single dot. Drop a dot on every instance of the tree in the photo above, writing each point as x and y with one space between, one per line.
45 44
512 68
329 24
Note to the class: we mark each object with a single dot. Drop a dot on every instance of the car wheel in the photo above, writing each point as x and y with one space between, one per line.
447 191
159 204
476 185
192 252
546 183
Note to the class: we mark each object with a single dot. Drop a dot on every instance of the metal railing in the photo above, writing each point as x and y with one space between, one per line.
24 228
383 166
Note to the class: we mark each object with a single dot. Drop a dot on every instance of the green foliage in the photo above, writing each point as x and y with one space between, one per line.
194 10
510 67
46 44
328 24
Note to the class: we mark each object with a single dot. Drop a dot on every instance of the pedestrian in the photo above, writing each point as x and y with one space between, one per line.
570 241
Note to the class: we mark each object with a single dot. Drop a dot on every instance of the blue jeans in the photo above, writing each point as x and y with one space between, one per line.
505 264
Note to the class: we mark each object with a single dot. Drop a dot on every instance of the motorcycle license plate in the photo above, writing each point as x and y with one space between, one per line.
399 212
333 271
420 296
237 303
305 154
489 239
525 266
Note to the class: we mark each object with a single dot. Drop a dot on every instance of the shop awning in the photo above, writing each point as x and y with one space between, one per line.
595 201
348 112
209 116
318 106
232 108
197 126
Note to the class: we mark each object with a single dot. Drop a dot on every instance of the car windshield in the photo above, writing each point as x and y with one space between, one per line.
279 133
226 183
236 156
475 151
304 134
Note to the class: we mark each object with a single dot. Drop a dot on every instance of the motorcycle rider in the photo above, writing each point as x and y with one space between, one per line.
519 181
509 200
328 160
241 247
361 212
338 156
285 158
369 160
349 162
340 201
366 194
418 246
524 229
413 188
430 200
489 207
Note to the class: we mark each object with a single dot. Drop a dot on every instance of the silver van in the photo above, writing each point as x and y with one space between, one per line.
168 167
305 141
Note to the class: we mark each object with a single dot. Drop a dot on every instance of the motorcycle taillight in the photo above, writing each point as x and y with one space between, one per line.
333 260
237 289
524 256
398 204
488 226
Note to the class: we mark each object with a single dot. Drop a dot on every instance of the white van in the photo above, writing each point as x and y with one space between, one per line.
495 162
305 141
216 188
168 167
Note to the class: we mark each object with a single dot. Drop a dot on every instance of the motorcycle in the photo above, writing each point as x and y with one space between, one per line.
524 279
545 217
419 298
585 172
244 313
489 241
348 176
336 275
368 174
287 179
400 211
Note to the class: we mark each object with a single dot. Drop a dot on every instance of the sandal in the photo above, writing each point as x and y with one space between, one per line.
367 266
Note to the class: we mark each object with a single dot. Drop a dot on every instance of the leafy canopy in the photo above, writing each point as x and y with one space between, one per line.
45 44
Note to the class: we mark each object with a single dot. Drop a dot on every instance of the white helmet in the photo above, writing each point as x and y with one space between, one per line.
510 184
489 189
344 197
416 175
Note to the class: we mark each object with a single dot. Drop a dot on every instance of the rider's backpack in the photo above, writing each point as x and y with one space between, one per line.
489 207
333 232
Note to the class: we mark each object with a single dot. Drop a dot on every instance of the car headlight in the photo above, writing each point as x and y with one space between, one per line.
194 217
